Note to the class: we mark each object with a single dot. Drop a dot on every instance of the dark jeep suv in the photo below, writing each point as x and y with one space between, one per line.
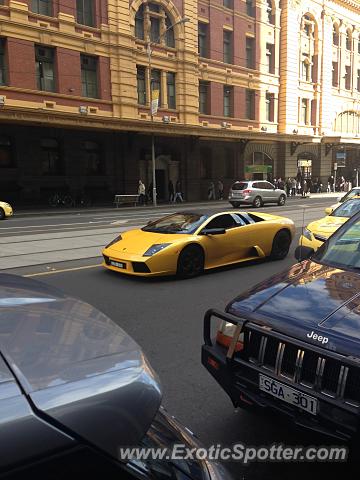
291 343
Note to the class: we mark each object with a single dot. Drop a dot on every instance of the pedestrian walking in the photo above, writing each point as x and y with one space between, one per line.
141 193
220 187
171 191
211 191
178 192
293 187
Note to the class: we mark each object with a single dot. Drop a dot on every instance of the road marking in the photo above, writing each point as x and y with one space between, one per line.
54 225
53 272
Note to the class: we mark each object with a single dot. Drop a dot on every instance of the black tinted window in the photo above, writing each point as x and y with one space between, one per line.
239 186
222 221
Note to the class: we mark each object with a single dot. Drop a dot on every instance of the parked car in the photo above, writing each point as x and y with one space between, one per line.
74 388
292 343
256 193
5 210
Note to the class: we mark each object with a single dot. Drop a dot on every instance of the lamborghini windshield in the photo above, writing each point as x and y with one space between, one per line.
176 223
342 250
347 209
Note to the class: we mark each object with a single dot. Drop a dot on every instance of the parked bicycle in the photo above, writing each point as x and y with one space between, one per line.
61 200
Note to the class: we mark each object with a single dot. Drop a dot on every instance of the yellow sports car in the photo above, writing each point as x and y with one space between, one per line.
186 243
354 192
316 233
5 210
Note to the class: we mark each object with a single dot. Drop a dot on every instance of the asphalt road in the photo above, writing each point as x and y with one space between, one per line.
165 317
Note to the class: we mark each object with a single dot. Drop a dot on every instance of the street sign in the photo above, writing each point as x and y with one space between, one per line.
258 168
335 166
155 102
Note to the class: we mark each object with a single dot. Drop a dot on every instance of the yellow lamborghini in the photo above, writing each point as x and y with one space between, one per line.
186 243
316 233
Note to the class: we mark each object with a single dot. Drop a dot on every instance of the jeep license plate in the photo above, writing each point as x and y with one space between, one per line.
288 394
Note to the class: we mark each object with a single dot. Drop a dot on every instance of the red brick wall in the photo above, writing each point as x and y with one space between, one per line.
65 6
21 61
68 72
104 78
216 99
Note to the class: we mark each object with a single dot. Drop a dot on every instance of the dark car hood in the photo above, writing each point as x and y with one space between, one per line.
309 297
75 365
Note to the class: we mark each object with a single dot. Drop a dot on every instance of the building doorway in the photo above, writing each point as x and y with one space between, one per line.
160 184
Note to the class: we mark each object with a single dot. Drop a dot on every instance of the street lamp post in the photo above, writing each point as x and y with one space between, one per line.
149 53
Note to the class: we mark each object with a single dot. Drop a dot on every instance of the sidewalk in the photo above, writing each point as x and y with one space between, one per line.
42 211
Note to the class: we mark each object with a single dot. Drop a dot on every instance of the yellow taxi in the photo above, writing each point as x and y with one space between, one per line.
5 210
354 192
316 233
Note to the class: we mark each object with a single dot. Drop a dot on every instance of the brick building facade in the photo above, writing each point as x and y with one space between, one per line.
248 88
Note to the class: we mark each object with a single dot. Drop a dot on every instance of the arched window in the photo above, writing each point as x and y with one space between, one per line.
348 122
336 36
348 39
152 21
269 12
308 26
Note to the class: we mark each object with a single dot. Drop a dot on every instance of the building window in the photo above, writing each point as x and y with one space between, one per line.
6 157
203 39
93 158
85 12
228 101
250 104
308 26
347 77
336 36
156 84
250 8
305 70
205 162
3 69
358 81
270 57
89 76
250 52
269 103
139 23
151 20
171 92
304 111
348 40
43 7
335 74
228 3
228 55
45 68
50 157
169 36
269 12
204 98
141 84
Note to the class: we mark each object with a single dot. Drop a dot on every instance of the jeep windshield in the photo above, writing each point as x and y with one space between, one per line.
342 250
186 223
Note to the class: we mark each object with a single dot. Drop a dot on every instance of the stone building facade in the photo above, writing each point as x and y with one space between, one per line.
248 89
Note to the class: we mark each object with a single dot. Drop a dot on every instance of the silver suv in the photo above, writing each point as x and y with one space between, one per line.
256 193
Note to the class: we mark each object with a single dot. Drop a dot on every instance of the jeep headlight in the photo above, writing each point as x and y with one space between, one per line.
307 234
157 247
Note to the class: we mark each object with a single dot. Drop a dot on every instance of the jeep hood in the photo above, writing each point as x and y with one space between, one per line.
307 297
77 367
